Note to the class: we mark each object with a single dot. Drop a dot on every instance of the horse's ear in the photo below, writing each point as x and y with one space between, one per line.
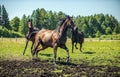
67 16
28 20
70 17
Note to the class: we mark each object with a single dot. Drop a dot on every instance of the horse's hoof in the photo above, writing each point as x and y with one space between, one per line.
35 59
54 63
59 58
23 53
67 60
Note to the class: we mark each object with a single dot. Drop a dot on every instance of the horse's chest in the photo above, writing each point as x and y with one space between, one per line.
62 40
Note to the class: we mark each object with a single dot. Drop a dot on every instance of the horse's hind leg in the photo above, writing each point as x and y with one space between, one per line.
72 46
36 44
39 49
81 47
32 47
67 51
76 45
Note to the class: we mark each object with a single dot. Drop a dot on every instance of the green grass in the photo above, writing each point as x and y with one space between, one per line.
94 52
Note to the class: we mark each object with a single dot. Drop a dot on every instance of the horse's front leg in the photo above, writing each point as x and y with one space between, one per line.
67 51
55 53
39 49
25 46
76 45
81 47
72 46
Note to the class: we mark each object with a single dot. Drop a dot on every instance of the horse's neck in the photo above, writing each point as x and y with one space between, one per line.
63 30
31 29
74 35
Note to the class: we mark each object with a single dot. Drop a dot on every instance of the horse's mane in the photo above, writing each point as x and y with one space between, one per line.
60 24
62 21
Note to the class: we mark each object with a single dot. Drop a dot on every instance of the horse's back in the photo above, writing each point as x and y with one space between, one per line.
80 37
45 36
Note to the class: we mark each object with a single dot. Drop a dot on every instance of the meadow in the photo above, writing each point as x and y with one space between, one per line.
95 53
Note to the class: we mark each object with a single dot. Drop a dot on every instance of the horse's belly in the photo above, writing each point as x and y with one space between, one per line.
47 40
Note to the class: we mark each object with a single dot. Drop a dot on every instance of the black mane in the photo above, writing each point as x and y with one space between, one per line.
62 21
60 24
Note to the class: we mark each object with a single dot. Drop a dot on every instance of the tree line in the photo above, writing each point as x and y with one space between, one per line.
92 26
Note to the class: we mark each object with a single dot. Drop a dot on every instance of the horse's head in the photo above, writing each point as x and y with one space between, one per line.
69 22
31 29
30 24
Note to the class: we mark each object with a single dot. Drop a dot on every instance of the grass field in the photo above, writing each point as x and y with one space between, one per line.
95 53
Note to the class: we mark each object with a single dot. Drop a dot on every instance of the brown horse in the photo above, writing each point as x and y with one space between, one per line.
30 35
53 38
77 37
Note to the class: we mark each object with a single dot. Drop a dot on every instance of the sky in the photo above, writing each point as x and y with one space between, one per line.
70 7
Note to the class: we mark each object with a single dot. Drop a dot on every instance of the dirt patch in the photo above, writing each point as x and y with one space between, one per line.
47 69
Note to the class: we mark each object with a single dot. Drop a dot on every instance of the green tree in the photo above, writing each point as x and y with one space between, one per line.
91 30
97 24
36 18
100 18
52 21
108 30
15 22
85 30
43 16
61 15
5 18
103 26
0 16
98 34
23 28
117 28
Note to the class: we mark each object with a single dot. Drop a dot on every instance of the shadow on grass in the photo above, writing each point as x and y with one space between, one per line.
65 63
57 62
48 55
89 52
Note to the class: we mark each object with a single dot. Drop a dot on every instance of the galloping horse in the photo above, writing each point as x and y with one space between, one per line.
77 37
53 38
31 35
